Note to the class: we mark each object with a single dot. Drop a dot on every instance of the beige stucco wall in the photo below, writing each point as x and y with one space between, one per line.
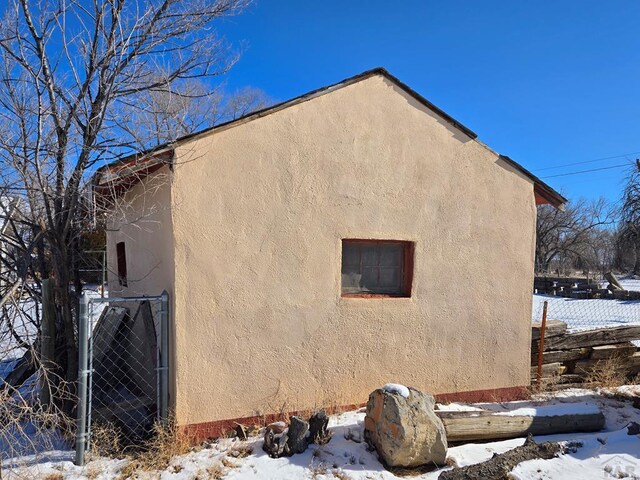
142 220
259 211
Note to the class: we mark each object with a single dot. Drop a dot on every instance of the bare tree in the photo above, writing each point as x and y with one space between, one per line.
77 79
570 234
629 228
244 101
156 117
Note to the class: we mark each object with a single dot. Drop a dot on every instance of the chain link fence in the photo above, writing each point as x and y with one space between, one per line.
123 372
587 313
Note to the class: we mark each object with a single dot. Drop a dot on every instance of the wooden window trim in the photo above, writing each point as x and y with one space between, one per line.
408 253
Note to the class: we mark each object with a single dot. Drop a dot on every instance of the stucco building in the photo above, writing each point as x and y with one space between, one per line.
315 250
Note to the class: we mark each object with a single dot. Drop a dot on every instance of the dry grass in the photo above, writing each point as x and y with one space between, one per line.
92 472
340 475
240 451
547 384
227 462
607 373
318 470
215 472
105 441
165 444
54 476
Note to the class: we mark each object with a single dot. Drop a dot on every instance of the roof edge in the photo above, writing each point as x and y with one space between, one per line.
541 188
297 100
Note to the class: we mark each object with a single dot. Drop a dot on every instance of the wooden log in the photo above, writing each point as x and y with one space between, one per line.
634 364
565 386
615 350
549 370
483 425
554 328
500 465
584 367
592 338
613 280
562 355
568 378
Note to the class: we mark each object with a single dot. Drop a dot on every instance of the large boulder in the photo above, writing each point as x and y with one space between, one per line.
401 425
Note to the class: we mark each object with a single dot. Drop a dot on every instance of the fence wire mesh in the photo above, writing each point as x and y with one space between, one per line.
587 305
126 381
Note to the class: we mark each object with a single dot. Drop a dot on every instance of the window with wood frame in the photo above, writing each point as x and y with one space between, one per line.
121 255
372 268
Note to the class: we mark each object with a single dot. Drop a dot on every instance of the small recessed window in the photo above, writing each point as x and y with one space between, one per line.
121 255
377 268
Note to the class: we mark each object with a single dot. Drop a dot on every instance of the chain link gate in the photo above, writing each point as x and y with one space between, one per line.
123 371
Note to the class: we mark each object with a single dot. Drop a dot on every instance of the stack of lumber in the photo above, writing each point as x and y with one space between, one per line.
568 358
584 287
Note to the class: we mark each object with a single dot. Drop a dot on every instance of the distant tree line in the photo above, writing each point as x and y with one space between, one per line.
591 236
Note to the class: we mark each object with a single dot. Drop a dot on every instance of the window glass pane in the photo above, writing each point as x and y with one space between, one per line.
390 278
370 255
369 280
351 282
350 254
374 267
390 254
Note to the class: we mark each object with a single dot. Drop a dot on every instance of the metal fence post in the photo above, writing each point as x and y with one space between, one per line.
164 358
83 337
543 327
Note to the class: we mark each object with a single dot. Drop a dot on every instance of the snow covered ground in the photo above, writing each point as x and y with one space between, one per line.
606 454
24 323
581 314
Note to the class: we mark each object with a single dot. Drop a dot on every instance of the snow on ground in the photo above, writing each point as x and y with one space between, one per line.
581 314
628 283
24 323
603 455
589 314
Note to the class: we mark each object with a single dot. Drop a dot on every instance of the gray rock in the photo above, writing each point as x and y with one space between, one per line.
318 431
405 431
297 441
274 443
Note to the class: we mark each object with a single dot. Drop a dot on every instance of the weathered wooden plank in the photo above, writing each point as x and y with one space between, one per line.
549 370
584 367
564 386
562 355
568 378
614 284
554 328
592 338
616 350
141 351
470 426
634 363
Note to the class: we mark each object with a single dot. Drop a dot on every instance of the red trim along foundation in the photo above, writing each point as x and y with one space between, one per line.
198 432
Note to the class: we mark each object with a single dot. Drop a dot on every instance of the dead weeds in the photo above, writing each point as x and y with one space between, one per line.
166 443
607 373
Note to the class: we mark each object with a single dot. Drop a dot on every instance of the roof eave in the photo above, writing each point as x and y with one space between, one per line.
552 196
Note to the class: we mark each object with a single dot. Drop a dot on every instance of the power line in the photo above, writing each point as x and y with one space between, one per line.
586 161
588 171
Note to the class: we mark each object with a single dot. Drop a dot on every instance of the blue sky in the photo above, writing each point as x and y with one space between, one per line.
548 83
